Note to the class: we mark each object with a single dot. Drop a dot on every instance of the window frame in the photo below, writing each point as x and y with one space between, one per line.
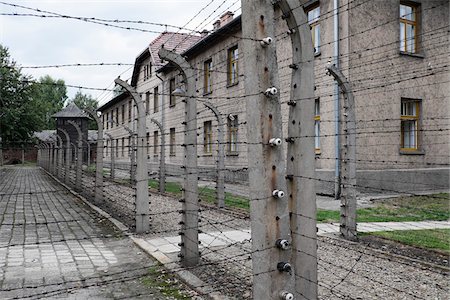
172 141
232 131
172 98
408 118
207 80
415 7
232 61
155 99
314 24
207 137
317 123
155 143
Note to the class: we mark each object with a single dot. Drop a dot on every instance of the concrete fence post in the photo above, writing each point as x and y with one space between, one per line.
162 159
300 153
273 270
60 148
142 197
189 228
68 156
99 158
220 163
347 157
113 163
79 156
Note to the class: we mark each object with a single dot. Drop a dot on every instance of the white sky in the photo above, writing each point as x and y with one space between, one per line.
34 41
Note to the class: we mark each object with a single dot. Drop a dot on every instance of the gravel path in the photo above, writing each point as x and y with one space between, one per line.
346 270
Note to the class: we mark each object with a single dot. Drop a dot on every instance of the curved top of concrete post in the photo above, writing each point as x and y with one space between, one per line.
340 78
157 124
181 63
77 128
214 109
300 31
66 134
93 114
59 139
109 135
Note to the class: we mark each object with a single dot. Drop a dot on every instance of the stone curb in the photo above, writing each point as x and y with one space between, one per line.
189 278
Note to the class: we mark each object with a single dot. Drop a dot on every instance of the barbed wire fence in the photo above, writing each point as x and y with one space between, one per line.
345 270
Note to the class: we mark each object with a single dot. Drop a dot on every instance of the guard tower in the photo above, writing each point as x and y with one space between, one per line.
75 114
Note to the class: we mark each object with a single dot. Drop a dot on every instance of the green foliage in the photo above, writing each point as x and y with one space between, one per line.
85 101
18 119
50 95
26 106
438 239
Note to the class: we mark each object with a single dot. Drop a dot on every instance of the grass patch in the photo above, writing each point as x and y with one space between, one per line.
413 208
436 239
206 194
167 284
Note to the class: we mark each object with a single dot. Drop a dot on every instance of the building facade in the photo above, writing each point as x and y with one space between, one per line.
394 54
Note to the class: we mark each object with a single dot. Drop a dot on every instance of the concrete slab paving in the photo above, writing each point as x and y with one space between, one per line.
224 238
53 246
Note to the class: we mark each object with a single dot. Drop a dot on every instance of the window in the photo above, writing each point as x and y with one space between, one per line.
233 65
147 103
129 111
117 116
103 120
155 143
172 142
207 83
107 120
117 148
314 22
410 114
232 133
317 125
172 98
408 28
123 113
123 147
207 137
129 146
155 99
147 71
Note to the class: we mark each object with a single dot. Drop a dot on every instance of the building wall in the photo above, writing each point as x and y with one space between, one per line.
369 57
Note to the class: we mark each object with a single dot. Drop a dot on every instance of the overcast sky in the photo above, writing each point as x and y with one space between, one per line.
37 41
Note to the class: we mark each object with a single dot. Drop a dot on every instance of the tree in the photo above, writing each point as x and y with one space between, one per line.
50 94
84 101
18 118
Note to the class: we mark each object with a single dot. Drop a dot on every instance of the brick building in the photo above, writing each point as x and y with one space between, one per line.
394 53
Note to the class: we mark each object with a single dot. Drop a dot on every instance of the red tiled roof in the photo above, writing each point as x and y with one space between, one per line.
170 40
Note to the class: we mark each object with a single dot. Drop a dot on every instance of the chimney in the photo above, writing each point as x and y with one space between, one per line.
226 17
216 25
204 33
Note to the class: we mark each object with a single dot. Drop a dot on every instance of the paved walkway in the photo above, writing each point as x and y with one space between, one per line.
169 245
53 246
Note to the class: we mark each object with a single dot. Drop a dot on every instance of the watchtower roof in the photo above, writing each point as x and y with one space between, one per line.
71 111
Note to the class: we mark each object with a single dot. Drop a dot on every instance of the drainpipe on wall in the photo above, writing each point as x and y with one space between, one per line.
337 167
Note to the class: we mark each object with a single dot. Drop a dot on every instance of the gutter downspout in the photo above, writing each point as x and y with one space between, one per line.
337 167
